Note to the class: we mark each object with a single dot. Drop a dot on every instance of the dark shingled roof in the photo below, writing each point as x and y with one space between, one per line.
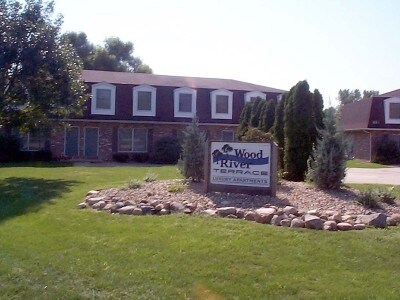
355 115
395 93
173 81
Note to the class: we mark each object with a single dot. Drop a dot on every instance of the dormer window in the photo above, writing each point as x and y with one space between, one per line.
103 99
392 110
144 100
252 96
221 104
184 102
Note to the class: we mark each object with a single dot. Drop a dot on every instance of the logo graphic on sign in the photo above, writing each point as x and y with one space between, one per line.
244 164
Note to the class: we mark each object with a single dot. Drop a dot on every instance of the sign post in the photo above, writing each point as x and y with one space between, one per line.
241 167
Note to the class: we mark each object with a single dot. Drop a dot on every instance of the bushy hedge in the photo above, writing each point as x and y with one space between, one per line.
167 150
9 149
387 152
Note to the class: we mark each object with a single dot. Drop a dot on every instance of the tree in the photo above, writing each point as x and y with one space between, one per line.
368 94
317 114
256 112
278 129
39 71
298 129
327 165
267 116
191 165
244 120
348 96
115 55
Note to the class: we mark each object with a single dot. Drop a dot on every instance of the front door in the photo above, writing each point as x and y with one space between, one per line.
72 141
91 141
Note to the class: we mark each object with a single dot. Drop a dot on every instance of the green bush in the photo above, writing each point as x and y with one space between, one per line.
134 184
167 150
387 195
121 157
387 152
9 149
368 198
150 177
176 188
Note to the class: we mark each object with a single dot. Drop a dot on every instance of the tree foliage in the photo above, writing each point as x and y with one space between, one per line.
267 115
317 114
348 96
244 120
257 135
191 165
39 70
256 112
298 129
326 166
115 55
278 129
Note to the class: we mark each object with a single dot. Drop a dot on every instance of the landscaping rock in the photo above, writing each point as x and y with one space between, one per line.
250 216
314 212
286 222
137 211
276 220
264 215
82 205
359 226
330 225
94 200
376 220
99 205
393 220
92 192
108 206
147 209
225 211
290 210
313 222
344 226
210 212
335 217
297 223
240 213
164 212
176 207
126 210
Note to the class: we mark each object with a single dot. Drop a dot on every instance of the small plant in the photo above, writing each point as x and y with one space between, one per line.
135 184
368 198
150 177
176 188
387 195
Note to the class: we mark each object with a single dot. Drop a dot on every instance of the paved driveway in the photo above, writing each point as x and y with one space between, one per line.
389 175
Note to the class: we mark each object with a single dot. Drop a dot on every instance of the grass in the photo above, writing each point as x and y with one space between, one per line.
51 250
376 187
364 164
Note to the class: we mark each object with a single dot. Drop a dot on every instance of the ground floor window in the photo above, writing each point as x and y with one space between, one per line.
132 140
91 148
33 141
227 135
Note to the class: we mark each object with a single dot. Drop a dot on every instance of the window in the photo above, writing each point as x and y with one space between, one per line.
103 99
144 100
184 102
227 135
33 141
392 110
252 96
132 140
221 104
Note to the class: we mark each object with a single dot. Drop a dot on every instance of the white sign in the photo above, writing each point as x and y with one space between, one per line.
240 164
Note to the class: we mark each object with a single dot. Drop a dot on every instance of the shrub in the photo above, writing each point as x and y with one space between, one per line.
135 184
257 135
387 195
140 157
192 163
167 150
9 148
387 152
150 177
42 155
121 157
368 198
176 188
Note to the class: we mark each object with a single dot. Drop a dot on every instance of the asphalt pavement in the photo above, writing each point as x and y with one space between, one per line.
390 175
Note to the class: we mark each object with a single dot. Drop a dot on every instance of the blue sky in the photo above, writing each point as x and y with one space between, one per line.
334 44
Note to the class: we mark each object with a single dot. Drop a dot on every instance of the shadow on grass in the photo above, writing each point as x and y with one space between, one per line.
21 195
37 164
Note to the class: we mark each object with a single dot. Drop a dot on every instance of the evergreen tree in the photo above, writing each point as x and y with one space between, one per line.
278 129
244 120
318 116
256 112
326 167
191 165
267 117
298 129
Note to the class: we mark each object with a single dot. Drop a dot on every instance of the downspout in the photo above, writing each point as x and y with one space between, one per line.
370 144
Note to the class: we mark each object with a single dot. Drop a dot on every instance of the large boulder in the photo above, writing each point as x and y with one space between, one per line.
226 211
297 223
313 222
264 215
344 226
127 210
290 210
393 220
376 220
330 225
94 200
276 219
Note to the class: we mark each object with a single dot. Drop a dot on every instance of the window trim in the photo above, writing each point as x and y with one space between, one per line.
214 114
144 88
387 102
249 95
65 138
132 138
101 111
184 90
42 138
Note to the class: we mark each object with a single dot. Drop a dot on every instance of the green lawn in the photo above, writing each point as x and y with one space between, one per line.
364 164
51 250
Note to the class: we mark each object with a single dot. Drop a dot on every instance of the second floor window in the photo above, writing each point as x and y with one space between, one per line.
103 99
221 104
144 100
392 110
184 102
